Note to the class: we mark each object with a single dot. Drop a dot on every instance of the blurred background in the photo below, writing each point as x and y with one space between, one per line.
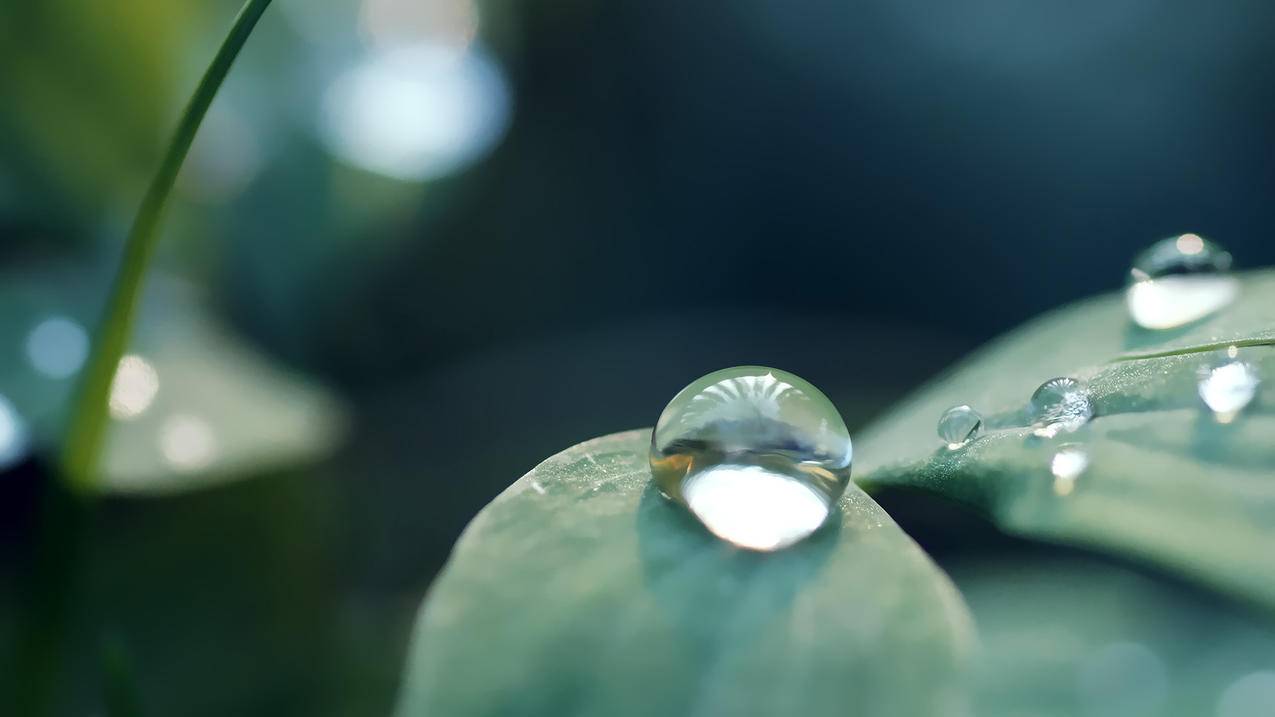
421 245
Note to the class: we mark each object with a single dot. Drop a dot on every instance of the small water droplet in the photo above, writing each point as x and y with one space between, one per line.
1067 464
1060 404
1228 386
959 424
1179 280
759 455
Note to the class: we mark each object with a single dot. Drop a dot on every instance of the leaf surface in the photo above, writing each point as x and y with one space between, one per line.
1165 483
581 591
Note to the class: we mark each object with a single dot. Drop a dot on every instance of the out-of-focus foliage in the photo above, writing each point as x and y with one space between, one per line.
81 83
241 584
191 405
1076 636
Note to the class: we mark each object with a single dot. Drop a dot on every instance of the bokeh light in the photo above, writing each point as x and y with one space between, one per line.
134 388
418 112
187 442
13 434
57 347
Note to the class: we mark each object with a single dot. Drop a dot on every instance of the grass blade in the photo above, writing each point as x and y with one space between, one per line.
86 430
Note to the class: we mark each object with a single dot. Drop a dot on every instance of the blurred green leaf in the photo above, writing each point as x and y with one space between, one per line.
80 131
1166 483
214 409
1071 635
246 584
580 590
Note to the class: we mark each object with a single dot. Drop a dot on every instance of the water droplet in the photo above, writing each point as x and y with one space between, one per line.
759 455
1068 463
1227 386
959 424
1061 404
1179 280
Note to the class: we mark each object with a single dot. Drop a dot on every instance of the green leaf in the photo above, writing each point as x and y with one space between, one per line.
1070 635
222 412
219 410
82 135
1166 483
580 590
237 582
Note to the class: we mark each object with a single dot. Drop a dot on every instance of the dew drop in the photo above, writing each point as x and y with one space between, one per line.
1228 386
1067 464
759 455
959 424
1179 280
1060 404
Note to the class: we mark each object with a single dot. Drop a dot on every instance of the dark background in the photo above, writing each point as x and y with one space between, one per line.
858 192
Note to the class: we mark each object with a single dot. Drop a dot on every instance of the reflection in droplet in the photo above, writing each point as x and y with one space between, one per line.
57 347
13 434
1122 678
1061 404
1067 464
1252 695
418 112
1179 280
1228 387
133 388
959 424
187 442
759 455
753 507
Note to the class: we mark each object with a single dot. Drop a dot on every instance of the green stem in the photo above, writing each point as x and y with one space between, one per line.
87 427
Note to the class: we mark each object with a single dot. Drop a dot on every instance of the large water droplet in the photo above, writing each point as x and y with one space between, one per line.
1227 386
1179 280
959 424
1061 404
759 455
